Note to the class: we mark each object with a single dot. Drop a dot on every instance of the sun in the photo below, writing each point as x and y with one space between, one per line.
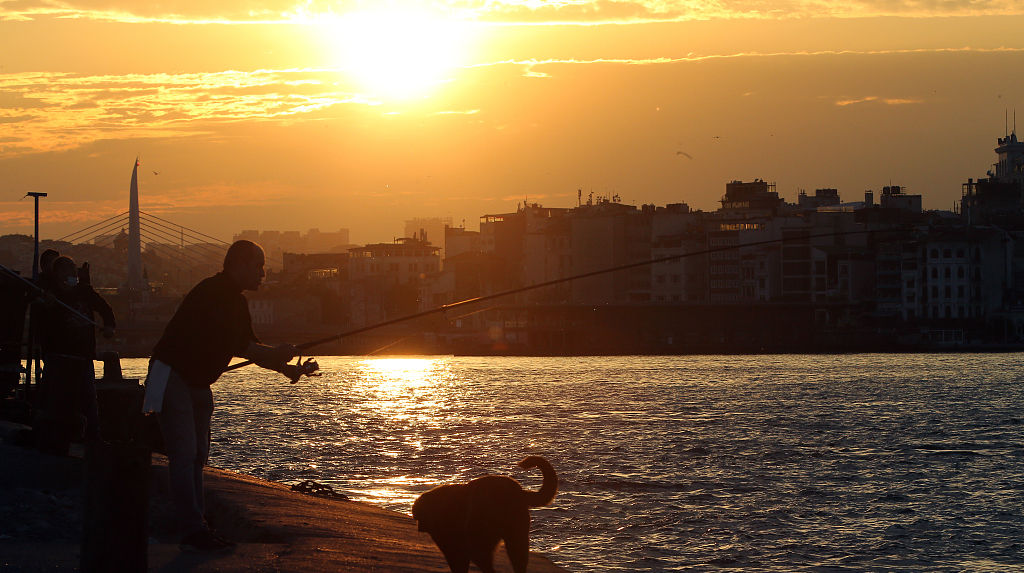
399 51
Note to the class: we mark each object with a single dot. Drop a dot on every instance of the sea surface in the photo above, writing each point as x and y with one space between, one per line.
887 462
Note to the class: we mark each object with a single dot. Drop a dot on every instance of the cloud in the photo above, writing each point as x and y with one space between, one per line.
21 213
505 12
55 111
876 99
530 65
182 200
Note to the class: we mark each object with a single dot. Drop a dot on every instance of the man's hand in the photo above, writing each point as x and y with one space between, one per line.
298 370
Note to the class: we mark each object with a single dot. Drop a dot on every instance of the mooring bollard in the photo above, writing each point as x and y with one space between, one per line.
116 525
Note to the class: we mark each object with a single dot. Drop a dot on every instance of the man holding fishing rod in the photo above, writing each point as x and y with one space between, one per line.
211 326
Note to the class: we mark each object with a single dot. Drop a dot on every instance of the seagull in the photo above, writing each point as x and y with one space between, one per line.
684 154
155 173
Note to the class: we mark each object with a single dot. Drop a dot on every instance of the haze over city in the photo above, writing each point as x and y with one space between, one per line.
281 115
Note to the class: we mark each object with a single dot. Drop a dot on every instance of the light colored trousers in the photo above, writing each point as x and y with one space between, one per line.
185 425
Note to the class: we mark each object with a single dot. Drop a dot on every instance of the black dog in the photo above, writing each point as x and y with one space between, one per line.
466 521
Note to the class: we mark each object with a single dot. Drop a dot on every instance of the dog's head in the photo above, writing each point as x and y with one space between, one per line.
438 507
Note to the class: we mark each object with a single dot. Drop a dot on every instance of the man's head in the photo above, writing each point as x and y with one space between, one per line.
46 259
243 264
65 273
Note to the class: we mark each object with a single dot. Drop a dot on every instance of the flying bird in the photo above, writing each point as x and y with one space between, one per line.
684 154
155 173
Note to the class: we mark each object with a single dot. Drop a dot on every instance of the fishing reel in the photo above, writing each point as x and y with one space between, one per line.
295 371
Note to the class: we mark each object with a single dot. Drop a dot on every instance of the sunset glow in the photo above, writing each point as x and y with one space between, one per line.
282 116
397 52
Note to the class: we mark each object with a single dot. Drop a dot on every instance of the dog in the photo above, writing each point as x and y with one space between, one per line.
466 521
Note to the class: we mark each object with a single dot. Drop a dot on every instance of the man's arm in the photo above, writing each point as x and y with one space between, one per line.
271 357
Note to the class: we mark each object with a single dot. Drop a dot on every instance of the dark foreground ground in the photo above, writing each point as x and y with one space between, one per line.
277 530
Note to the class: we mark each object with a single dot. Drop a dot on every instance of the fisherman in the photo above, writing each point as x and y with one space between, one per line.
211 325
68 342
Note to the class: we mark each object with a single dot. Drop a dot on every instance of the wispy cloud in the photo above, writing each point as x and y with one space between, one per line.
53 111
530 65
879 100
20 213
507 12
181 200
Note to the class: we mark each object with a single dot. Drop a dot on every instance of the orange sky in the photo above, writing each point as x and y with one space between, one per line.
282 115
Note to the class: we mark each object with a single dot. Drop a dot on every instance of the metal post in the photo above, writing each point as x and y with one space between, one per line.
35 275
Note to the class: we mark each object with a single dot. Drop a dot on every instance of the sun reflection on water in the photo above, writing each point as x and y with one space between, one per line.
405 390
399 373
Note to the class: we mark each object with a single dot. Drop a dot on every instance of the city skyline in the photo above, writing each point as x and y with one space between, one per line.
365 115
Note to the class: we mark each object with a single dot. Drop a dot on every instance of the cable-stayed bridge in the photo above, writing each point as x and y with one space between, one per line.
184 247
152 251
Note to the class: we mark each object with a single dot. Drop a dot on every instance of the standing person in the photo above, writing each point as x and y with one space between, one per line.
211 325
68 343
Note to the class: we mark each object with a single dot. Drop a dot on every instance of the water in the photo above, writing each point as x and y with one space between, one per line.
691 463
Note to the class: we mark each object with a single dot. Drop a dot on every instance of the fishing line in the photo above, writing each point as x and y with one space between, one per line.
447 307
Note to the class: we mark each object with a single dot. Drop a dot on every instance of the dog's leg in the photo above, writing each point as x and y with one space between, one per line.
484 559
518 547
454 553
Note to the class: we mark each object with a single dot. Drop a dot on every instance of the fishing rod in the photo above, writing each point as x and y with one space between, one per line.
48 296
446 307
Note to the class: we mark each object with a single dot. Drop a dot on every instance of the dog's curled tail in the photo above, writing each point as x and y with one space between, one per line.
548 488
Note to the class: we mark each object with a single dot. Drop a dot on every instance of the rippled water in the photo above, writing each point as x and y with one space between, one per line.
692 463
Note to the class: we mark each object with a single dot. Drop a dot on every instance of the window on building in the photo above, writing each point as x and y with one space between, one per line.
947 253
959 272
947 272
935 273
960 291
949 291
935 292
910 283
959 253
934 253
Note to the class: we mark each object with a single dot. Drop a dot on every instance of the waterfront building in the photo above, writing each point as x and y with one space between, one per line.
384 278
676 231
894 197
605 234
821 198
431 229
